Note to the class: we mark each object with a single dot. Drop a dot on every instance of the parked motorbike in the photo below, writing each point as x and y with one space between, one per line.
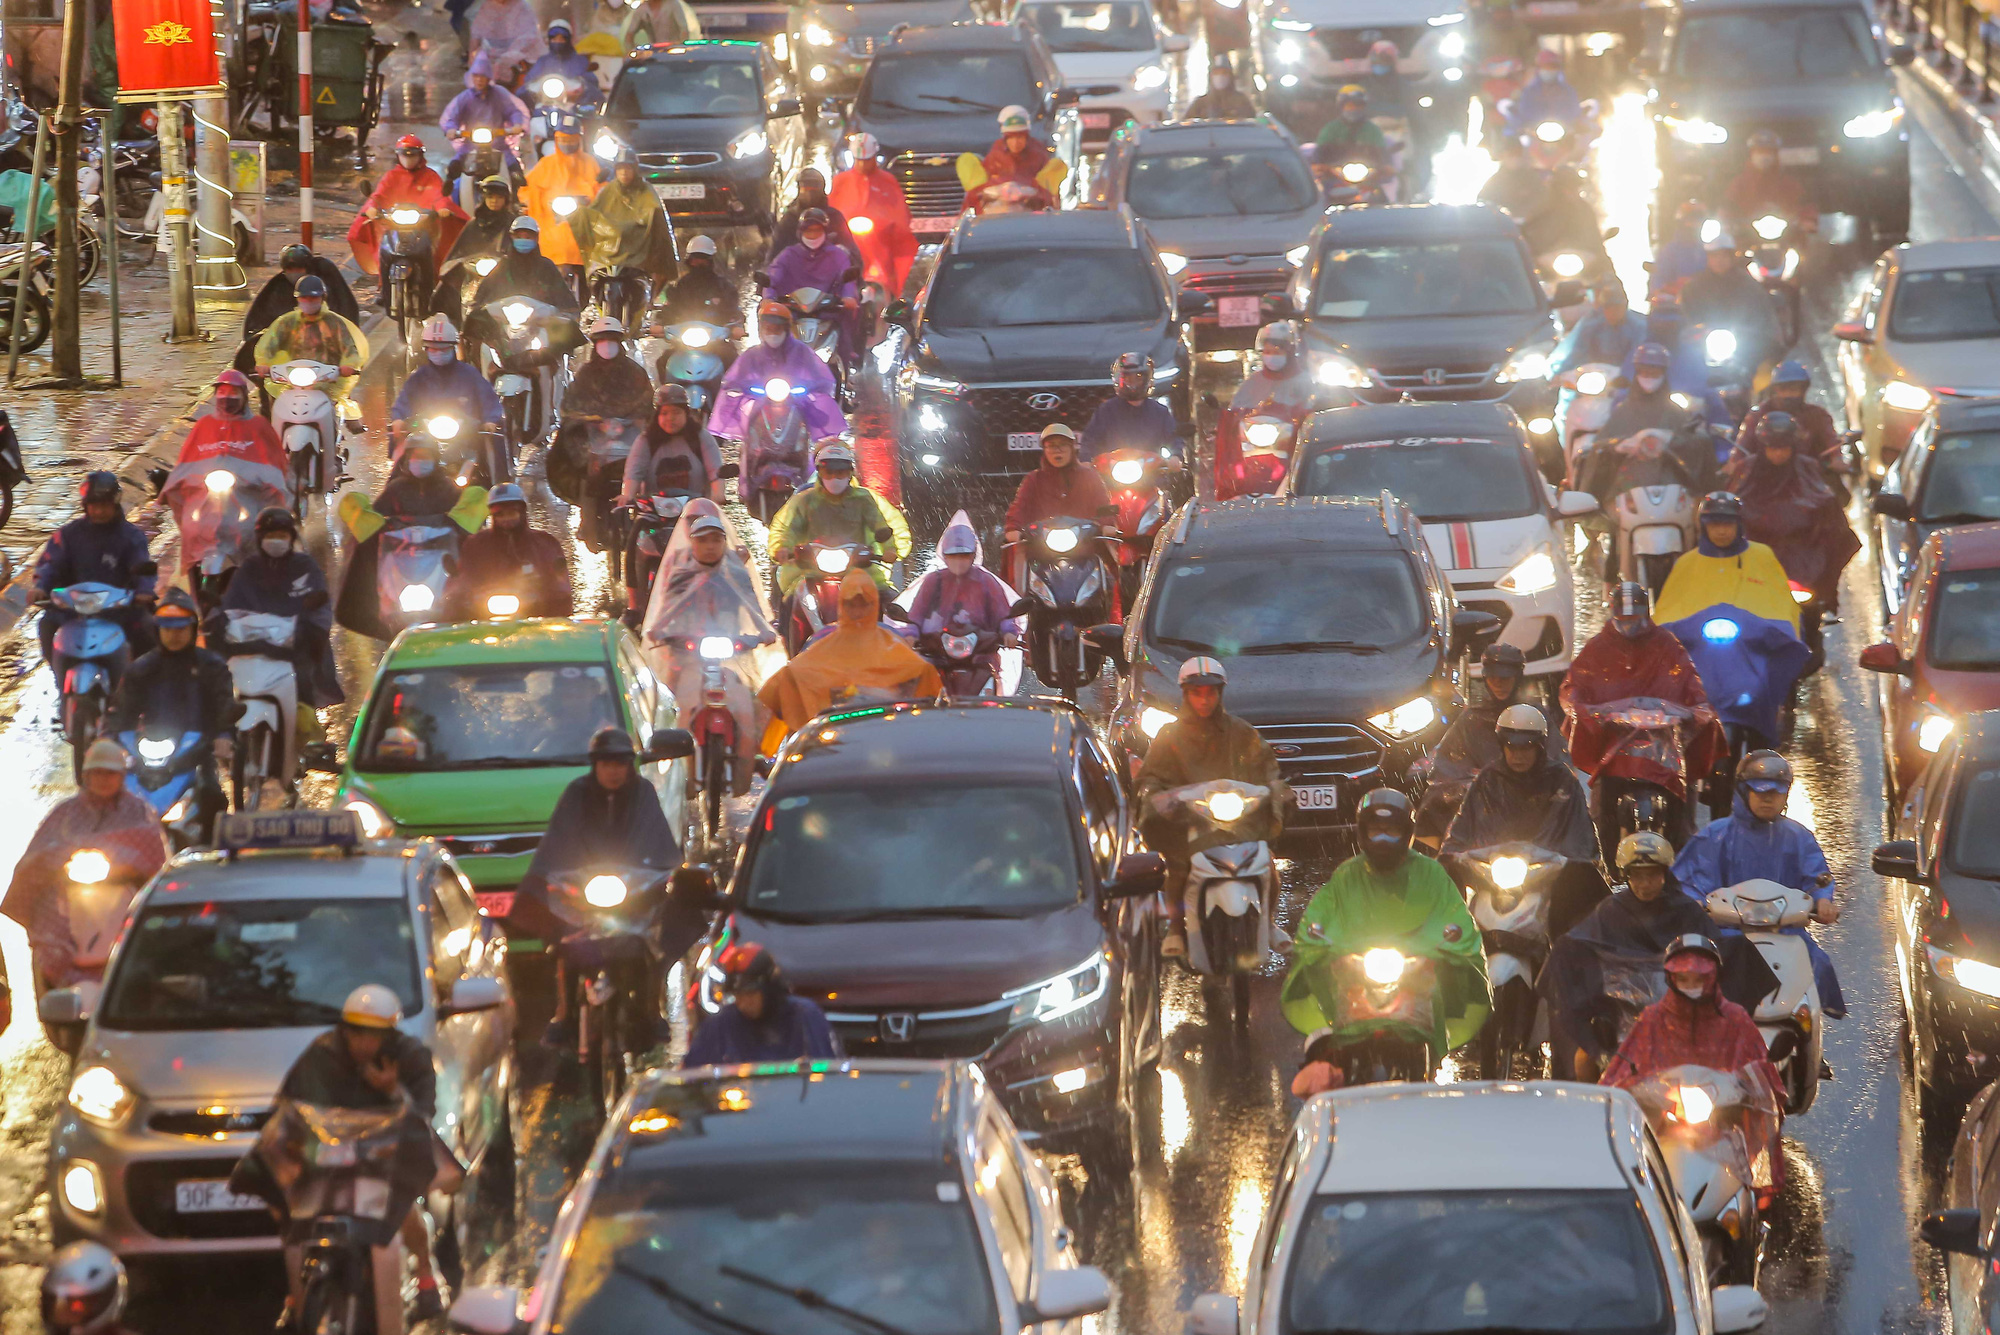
91 654
1789 1018
609 952
1774 262
1068 583
1230 897
1137 481
408 262
268 686
530 387
694 361
1511 885
172 770
308 421
1716 1130
96 905
415 558
1381 1008
777 449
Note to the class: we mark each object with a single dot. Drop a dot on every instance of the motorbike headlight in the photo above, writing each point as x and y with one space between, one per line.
605 146
959 646
1407 719
1770 226
1551 132
502 605
300 376
1060 539
1383 965
1567 265
818 35
1720 630
564 205
416 598
1340 372
482 135
1873 124
374 822
1452 47
156 750
1151 720
443 426
1527 364
1592 383
1697 131
1534 573
1066 993
1720 345
405 217
694 338
87 866
1149 76
1127 472
717 648
1289 51
777 391
1801 594
860 224
552 88
604 892
1227 806
220 481
1509 873
749 144
101 1096
1354 173
1172 262
832 560
1906 396
1696 1105
517 313
1933 728
1262 434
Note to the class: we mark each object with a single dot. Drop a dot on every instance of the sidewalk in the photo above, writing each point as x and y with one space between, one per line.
1953 72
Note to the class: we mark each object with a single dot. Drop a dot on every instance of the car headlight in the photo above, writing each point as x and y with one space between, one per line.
374 822
1452 47
1527 364
1298 255
604 892
1149 76
1534 573
1289 51
1151 720
1697 131
1972 975
1770 227
1720 345
100 1096
1873 124
83 1187
1172 262
749 144
1932 729
1383 965
1340 372
1067 992
1906 396
936 384
1407 719
605 146
819 36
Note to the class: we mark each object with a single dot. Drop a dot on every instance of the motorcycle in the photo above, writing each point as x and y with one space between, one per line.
608 443
815 601
818 325
267 684
532 395
1654 526
1789 1018
1511 886
407 263
215 503
695 362
91 653
1253 450
559 93
1748 665
415 559
1136 480
1649 736
777 450
1231 894
480 457
1774 262
620 291
1583 410
309 423
966 658
96 906
477 154
716 741
171 770
1380 1005
647 525
609 952
1716 1131
1069 584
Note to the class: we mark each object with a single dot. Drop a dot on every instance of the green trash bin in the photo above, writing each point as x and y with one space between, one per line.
343 86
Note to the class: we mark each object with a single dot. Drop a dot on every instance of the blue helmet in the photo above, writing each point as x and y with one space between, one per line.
1791 373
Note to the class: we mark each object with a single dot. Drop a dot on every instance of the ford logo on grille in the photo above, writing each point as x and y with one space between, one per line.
1045 402
1288 750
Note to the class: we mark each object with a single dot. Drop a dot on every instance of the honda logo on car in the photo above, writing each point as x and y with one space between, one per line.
899 1026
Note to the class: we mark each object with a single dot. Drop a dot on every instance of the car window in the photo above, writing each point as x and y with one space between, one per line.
1363 602
1959 479
1091 25
653 88
998 1179
1103 807
1472 277
938 84
1220 183
1965 622
1442 479
486 716
1936 305
1771 45
1043 286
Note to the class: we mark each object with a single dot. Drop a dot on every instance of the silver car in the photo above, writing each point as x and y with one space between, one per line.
229 965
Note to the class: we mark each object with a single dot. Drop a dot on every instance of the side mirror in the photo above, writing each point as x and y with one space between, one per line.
487 1311
694 887
321 758
1472 631
1174 43
1853 331
63 1013
669 744
1575 504
1101 89
472 995
1896 859
898 313
850 273
1111 639
1569 292
1064 1294
1884 658
1953 1231
1890 505
1901 54
1214 1314
1190 303
1065 97
1021 607
785 106
728 471
1136 874
761 278
1737 1308
1277 306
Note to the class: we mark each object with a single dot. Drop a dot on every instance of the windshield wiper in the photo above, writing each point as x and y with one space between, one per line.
958 101
1962 518
911 915
699 1311
1197 645
893 104
1306 646
812 1298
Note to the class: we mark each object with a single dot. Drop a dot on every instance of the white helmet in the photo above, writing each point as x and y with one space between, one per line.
1523 719
371 1006
863 145
1014 118
608 326
701 245
439 329
1202 671
83 1290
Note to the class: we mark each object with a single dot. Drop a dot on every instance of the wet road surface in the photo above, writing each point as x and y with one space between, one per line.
1842 1256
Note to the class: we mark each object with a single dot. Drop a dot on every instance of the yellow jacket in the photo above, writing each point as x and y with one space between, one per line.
1753 581
552 178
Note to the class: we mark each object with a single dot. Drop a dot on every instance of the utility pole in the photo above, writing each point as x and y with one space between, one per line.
66 349
305 124
180 259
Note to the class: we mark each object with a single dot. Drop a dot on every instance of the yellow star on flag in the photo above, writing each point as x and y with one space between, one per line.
168 33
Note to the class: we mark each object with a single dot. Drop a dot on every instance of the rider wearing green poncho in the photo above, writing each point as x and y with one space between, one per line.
1389 896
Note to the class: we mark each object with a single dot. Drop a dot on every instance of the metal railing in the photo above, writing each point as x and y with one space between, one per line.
1957 37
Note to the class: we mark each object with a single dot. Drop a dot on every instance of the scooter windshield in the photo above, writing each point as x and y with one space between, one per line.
363 1164
216 503
410 568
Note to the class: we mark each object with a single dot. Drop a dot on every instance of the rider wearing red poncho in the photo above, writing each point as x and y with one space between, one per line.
411 183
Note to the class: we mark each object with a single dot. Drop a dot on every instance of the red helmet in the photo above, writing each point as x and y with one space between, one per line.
747 967
409 141
235 379
1548 58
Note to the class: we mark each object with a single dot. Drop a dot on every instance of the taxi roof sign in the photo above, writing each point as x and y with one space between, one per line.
288 829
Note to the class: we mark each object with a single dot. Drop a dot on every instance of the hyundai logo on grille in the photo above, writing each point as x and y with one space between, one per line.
1045 402
899 1026
1434 375
1288 749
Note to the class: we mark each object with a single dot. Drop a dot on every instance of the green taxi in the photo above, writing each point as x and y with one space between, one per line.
472 731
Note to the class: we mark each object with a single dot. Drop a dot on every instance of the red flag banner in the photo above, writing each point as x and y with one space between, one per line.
166 48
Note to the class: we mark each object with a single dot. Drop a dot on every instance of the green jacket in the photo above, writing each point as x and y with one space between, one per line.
626 228
1408 909
1194 750
1339 135
813 515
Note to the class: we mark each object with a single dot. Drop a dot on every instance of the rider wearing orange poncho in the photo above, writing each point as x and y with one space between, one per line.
857 662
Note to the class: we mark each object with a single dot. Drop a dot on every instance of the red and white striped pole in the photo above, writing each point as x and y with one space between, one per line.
305 124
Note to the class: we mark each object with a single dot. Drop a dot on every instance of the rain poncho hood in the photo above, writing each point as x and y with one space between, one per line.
1790 509
1546 807
691 600
1611 669
1407 909
1751 579
222 523
792 362
938 599
625 227
858 662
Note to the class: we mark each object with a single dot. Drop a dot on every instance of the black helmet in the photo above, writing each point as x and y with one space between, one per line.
612 743
673 392
814 218
1653 356
177 605
295 256
1503 658
276 519
1721 505
1631 601
748 967
83 1290
1692 943
1383 824
1764 772
1135 366
312 285
1779 429
99 485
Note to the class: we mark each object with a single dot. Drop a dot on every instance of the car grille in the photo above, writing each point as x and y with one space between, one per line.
1236 282
999 409
1322 753
967 1032
684 161
1436 379
930 183
860 44
149 1188
491 845
206 1124
1353 43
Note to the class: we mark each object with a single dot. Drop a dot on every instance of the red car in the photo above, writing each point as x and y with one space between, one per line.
1943 648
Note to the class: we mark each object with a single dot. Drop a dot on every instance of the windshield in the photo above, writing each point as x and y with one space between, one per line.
1220 183
1965 628
1440 479
1444 278
940 84
519 716
1941 304
668 1252
258 964
651 88
930 851
1118 25
1421 1263
1755 48
1029 287
1961 481
1225 605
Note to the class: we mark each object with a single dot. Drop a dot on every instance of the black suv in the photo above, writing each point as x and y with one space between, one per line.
931 94
1017 328
716 125
1226 202
1816 73
958 881
1432 302
1340 634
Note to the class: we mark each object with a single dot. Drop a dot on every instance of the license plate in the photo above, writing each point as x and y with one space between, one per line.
941 224
710 19
1024 440
1239 312
496 903
1799 157
1096 120
688 190
1317 799
210 1197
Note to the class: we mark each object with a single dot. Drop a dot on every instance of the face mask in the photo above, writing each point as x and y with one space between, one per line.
310 309
1650 383
1378 69
813 242
422 467
772 341
276 546
836 485
229 406
699 263
1693 992
1274 361
527 245
1763 162
1546 76
607 348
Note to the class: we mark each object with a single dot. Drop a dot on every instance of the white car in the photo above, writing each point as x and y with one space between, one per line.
1305 50
1116 53
1492 524
1478 1206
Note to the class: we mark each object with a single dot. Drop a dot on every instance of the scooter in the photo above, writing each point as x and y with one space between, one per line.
308 421
1748 666
777 450
268 686
815 601
1654 526
1380 1005
96 905
407 262
966 659
1069 584
172 772
694 361
1253 451
1231 894
91 654
1732 370
1774 262
716 742
490 153
1790 1017
1585 408
608 952
215 503
411 567
1716 1131
531 396
480 457
646 525
818 327
1136 481
557 93
1510 886
1649 737
620 291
